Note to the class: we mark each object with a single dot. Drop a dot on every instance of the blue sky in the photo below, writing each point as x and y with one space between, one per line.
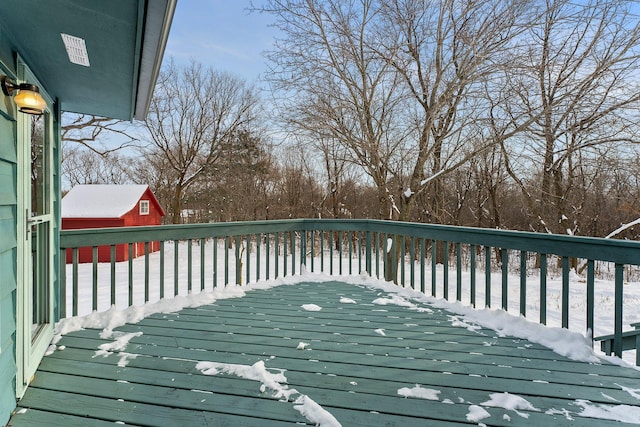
222 34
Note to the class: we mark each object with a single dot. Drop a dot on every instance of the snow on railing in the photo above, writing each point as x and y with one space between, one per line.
550 278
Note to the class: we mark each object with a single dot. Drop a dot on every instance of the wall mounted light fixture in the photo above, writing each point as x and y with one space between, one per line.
28 98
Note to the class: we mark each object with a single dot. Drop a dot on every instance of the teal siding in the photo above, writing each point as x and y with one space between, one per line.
7 379
8 224
8 247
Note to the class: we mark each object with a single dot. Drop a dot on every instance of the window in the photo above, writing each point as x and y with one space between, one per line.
144 207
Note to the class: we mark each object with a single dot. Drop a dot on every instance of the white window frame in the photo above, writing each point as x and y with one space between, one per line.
144 207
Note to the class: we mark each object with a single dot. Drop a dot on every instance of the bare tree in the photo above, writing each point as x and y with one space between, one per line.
344 93
444 51
83 166
393 81
574 78
194 112
89 131
90 147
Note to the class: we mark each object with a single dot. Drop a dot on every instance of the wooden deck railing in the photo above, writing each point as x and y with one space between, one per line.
260 250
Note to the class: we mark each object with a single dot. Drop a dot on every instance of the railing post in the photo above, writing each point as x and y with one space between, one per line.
523 283
591 299
161 243
312 234
277 254
565 292
285 250
215 262
377 245
293 253
94 266
74 296
130 264
238 261
350 251
617 326
176 289
322 233
267 251
412 255
422 257
146 271
487 276
248 259
445 269
360 252
458 271
189 265
394 258
543 289
202 261
505 278
258 250
62 302
303 247
472 274
330 252
368 253
401 262
226 260
434 267
340 253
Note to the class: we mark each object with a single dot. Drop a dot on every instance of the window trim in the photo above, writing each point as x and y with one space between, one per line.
144 207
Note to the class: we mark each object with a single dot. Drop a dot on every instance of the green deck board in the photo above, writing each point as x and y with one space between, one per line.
458 374
320 329
34 417
99 411
359 397
447 351
109 409
350 370
172 396
366 344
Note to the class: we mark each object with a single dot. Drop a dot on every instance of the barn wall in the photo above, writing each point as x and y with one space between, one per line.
130 219
133 217
85 254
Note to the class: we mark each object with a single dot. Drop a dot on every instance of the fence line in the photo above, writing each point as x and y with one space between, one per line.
410 254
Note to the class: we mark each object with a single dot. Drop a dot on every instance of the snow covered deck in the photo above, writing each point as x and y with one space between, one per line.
326 353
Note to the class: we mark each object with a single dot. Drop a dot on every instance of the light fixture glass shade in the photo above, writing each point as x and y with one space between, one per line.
30 101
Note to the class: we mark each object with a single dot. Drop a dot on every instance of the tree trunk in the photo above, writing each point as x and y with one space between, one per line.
176 204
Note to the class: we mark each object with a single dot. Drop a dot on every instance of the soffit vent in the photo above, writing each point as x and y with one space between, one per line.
76 49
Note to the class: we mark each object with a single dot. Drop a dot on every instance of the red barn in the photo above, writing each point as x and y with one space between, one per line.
99 206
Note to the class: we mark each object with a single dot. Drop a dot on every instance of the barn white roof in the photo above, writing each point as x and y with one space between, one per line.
101 200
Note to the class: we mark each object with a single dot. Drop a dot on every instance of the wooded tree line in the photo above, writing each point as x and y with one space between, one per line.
510 114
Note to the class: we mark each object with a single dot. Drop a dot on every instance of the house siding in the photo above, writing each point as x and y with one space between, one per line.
8 251
8 234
